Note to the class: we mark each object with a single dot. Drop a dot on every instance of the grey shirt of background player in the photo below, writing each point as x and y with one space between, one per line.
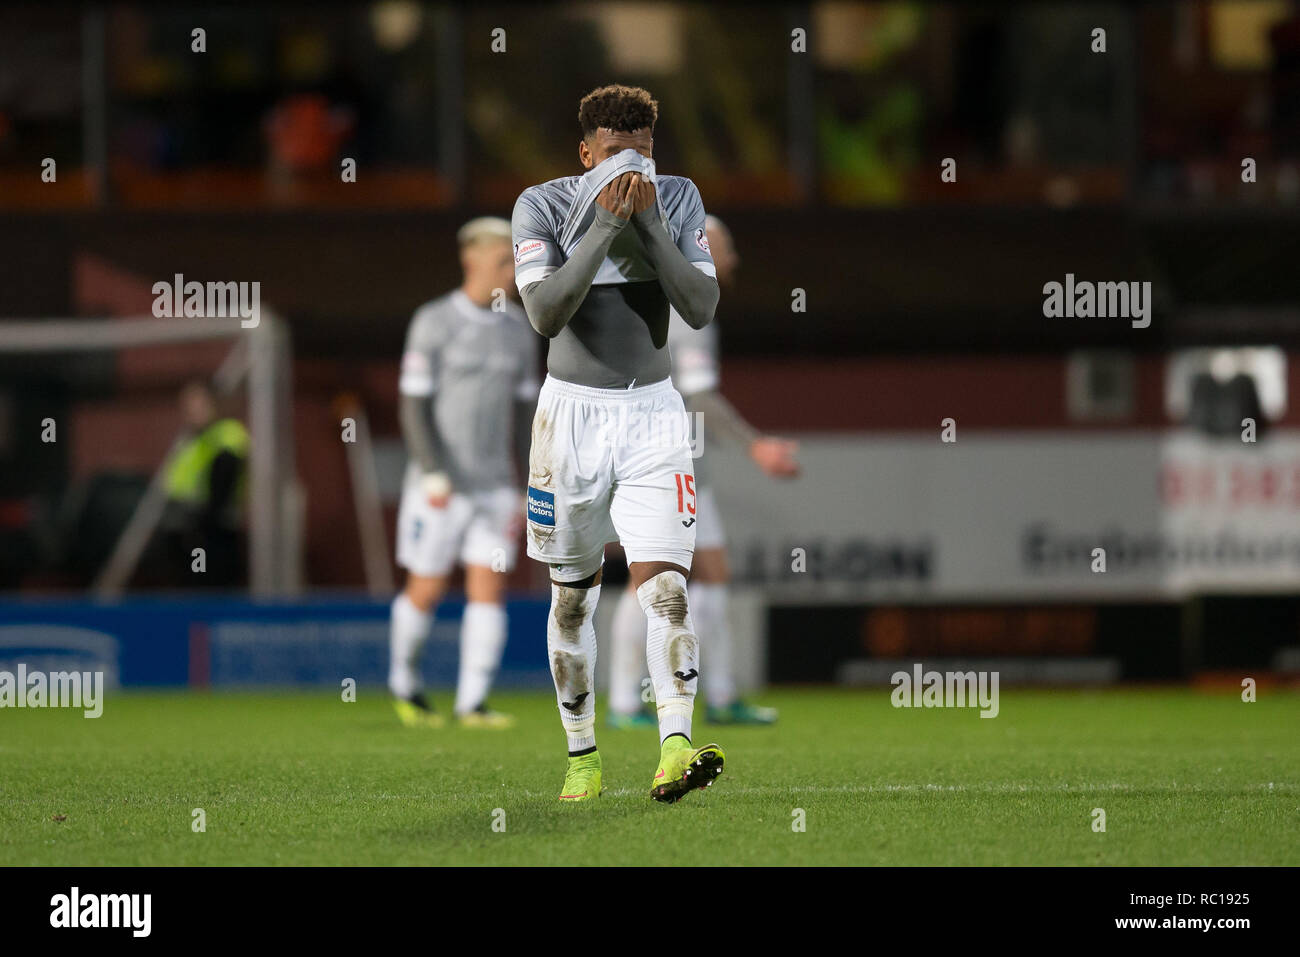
616 338
471 366
696 376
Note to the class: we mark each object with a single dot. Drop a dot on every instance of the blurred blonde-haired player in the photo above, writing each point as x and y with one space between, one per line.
468 391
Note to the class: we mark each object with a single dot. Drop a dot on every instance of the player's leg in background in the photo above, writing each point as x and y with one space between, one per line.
627 666
709 587
488 556
427 541
482 642
410 622
708 594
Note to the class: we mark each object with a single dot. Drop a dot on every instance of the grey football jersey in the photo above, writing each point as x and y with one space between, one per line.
472 363
618 336
694 354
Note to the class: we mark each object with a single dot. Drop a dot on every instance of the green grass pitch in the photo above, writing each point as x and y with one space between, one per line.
303 778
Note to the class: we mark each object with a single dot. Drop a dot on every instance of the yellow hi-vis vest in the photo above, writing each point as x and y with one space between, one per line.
187 475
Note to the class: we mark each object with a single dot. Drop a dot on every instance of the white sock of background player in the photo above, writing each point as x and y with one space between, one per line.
482 640
571 648
408 630
627 654
672 651
709 610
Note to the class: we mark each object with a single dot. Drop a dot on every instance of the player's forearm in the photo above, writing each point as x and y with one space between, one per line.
420 433
524 412
720 417
693 294
551 303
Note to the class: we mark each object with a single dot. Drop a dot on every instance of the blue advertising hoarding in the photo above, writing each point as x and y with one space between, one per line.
206 641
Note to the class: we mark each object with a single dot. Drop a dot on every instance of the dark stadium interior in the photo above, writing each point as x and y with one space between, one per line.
1013 359
826 170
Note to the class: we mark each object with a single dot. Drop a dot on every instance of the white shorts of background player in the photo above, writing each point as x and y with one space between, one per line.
474 528
610 465
709 532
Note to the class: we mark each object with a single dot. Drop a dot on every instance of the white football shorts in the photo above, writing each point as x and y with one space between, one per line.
476 528
709 532
609 465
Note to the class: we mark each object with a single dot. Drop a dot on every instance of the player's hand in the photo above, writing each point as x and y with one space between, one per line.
437 489
776 457
643 196
618 196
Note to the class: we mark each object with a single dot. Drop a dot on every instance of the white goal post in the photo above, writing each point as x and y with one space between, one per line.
259 359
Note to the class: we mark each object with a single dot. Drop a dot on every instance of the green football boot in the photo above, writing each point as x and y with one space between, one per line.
484 717
416 712
683 768
582 781
741 712
627 722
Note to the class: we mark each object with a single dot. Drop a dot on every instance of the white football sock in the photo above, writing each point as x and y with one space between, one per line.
626 654
482 640
709 611
672 651
571 648
408 630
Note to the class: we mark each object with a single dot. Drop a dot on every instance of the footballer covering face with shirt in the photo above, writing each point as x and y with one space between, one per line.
599 259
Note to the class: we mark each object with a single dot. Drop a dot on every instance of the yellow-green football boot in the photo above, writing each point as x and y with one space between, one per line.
683 768
485 717
416 712
582 781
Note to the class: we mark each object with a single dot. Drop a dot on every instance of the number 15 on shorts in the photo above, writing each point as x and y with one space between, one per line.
685 493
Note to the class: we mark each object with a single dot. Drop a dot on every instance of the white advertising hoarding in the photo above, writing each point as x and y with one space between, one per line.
1017 516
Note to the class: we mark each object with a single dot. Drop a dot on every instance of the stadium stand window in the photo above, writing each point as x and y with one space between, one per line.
1212 390
1100 386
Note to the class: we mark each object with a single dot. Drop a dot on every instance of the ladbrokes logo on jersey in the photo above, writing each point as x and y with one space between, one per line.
528 249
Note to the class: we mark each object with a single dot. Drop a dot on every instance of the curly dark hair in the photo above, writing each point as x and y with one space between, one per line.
617 107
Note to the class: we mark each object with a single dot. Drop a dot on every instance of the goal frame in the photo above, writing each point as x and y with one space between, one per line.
260 360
